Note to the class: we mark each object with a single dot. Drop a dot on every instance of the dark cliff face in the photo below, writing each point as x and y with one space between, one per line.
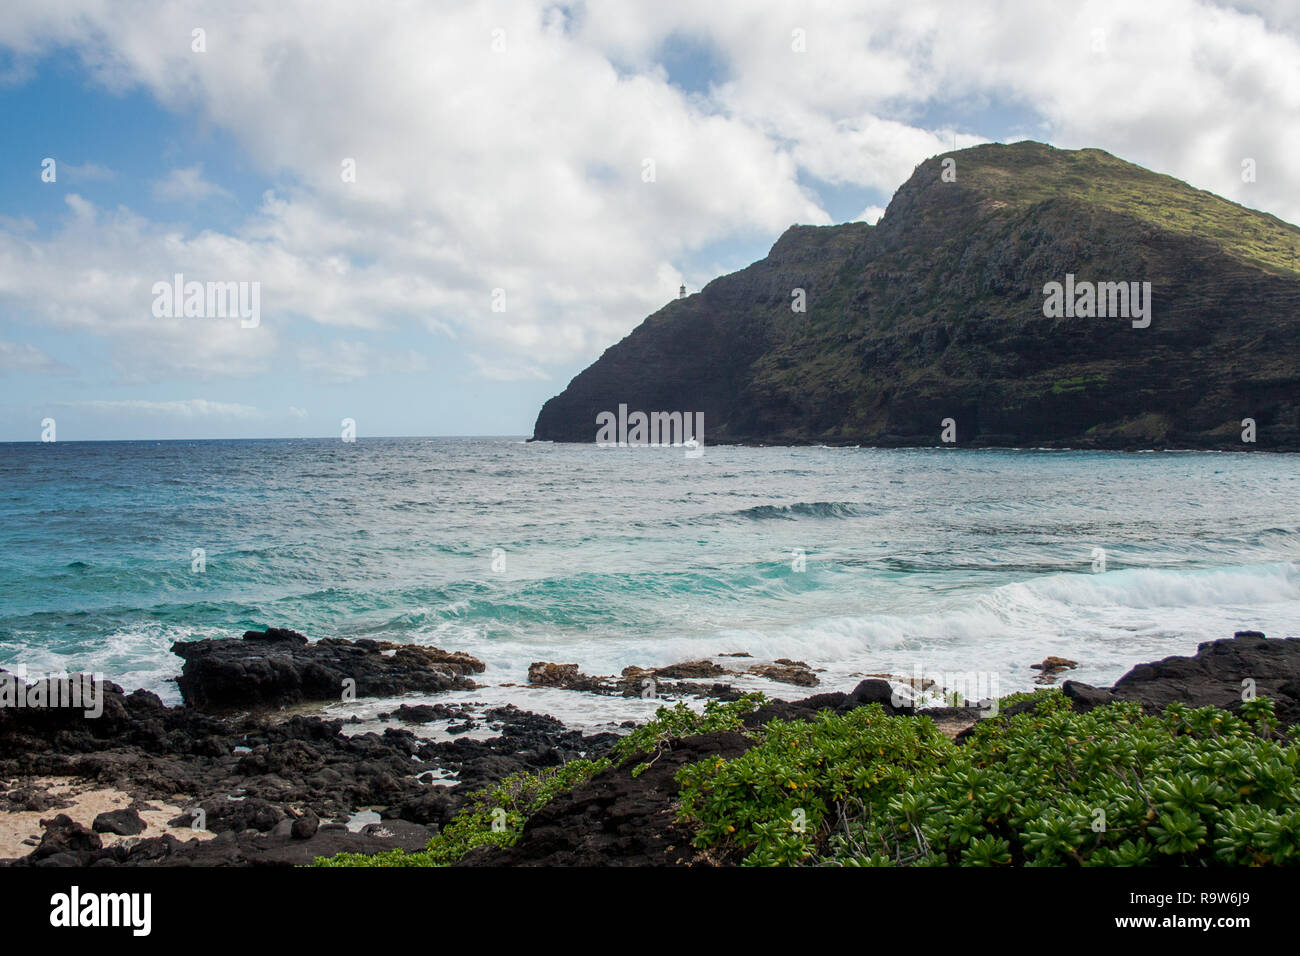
937 312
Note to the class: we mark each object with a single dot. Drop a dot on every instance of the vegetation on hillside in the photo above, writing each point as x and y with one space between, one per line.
1038 173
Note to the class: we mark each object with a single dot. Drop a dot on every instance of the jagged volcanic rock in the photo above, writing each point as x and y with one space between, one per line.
1213 676
279 666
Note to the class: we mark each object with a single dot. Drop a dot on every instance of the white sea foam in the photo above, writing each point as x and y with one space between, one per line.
1107 622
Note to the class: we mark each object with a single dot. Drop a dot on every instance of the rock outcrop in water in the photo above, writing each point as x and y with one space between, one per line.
278 666
1221 673
937 312
670 680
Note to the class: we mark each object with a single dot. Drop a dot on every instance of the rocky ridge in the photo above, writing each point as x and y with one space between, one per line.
937 312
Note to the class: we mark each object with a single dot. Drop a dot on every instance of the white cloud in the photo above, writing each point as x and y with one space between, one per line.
522 169
496 370
193 408
186 185
344 361
17 357
472 173
1182 86
95 274
871 214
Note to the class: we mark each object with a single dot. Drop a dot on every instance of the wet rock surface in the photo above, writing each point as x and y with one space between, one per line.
1051 667
278 666
786 671
1221 673
259 782
635 681
674 680
566 677
66 843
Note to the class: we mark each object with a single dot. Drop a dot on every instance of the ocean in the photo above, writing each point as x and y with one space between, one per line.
855 560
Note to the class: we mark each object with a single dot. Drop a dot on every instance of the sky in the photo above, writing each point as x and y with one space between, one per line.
450 209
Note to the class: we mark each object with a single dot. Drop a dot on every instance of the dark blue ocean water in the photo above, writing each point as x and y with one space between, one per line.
616 556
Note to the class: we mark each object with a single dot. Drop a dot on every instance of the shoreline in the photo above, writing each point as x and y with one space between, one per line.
283 784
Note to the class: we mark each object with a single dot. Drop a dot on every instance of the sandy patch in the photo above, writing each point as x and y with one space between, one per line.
88 800
950 727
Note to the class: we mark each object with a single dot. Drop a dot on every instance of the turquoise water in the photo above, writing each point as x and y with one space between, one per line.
946 558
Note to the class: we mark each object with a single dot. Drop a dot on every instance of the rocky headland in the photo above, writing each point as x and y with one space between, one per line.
876 335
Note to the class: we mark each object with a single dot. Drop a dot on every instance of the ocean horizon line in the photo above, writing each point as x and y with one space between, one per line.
524 438
139 441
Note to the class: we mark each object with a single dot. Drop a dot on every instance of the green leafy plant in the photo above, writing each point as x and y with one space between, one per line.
777 802
672 723
1112 787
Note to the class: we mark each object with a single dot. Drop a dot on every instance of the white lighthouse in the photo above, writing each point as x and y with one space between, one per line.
681 293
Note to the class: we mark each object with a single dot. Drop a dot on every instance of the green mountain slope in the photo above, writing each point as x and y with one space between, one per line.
937 312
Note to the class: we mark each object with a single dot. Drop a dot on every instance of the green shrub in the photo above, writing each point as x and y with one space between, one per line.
777 802
669 724
1111 787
